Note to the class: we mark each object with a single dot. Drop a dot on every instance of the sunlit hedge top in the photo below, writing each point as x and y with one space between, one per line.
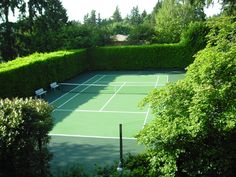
22 76
36 57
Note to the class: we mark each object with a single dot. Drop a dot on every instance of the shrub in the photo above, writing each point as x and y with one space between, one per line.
195 36
22 76
74 170
133 166
24 128
195 122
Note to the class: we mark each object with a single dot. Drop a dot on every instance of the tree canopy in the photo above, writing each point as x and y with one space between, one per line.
195 123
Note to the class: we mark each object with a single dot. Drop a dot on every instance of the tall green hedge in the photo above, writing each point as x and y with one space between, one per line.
164 56
140 57
22 76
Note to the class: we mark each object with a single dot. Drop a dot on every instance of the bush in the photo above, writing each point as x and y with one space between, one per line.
74 170
24 128
195 122
195 36
133 166
22 76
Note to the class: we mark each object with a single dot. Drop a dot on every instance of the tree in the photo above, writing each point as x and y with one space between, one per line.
41 33
229 7
141 34
8 45
195 123
135 17
55 14
35 8
117 15
156 8
172 19
90 19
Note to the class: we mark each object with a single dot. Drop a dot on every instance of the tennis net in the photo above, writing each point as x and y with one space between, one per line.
107 88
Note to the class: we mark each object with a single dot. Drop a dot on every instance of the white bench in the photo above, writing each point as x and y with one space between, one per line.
40 92
54 85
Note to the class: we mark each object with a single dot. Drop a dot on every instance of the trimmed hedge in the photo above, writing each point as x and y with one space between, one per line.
22 76
140 57
158 56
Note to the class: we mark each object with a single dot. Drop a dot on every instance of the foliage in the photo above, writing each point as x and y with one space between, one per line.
39 70
223 30
134 166
116 17
36 29
24 127
74 170
8 46
74 36
24 75
135 17
178 55
139 57
229 7
120 28
195 36
141 34
172 19
195 124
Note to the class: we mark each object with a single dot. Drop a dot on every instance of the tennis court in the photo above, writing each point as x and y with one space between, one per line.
89 109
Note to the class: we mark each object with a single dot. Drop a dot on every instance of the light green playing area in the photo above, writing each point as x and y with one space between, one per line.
88 111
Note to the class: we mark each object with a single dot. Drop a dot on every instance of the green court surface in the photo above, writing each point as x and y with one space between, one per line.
88 110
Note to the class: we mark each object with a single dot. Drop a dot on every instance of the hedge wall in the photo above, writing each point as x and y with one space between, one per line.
140 57
22 76
164 56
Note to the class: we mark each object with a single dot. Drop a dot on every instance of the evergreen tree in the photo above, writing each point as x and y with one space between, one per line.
117 15
135 17
8 44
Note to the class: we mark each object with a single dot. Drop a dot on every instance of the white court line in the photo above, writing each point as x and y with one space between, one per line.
130 82
71 90
97 111
108 74
145 120
108 101
80 92
97 137
167 79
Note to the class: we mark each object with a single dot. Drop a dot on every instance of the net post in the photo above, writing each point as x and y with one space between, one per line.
120 165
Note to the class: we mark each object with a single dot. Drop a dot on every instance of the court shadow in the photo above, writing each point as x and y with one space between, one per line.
88 152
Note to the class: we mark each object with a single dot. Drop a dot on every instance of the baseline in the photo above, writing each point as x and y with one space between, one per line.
98 111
